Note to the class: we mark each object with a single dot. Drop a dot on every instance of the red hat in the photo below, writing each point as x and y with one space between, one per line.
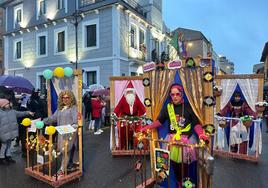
130 87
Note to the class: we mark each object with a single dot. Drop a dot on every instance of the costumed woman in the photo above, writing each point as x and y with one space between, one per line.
180 116
66 114
237 108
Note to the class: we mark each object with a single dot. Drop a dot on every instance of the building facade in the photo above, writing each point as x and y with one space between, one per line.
2 31
264 59
226 66
196 42
113 38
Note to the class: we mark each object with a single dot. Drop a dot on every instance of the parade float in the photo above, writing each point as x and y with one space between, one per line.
43 151
195 169
239 107
128 113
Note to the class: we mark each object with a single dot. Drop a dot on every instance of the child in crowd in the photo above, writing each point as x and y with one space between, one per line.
8 129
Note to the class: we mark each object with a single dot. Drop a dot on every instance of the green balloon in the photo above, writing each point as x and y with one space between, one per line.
48 74
39 124
68 71
191 62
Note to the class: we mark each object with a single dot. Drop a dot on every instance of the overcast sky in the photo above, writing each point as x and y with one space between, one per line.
238 29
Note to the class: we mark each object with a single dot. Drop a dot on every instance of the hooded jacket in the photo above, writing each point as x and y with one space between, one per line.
9 124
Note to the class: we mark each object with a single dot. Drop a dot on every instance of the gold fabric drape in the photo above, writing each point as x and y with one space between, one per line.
192 81
159 91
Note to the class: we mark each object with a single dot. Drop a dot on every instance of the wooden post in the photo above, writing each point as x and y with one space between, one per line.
37 149
28 147
78 73
126 125
50 155
65 155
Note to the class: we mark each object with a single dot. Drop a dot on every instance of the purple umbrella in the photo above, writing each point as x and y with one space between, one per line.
17 83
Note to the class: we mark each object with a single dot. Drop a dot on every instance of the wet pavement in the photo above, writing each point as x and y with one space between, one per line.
104 171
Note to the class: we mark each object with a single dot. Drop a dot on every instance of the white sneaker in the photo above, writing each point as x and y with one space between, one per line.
100 130
97 133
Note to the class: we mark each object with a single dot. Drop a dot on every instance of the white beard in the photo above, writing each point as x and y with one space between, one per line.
130 99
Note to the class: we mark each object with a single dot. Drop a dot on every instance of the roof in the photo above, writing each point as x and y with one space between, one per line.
264 52
4 3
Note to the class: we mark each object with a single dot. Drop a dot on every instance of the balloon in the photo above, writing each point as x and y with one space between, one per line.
59 72
26 122
47 74
50 130
39 124
68 71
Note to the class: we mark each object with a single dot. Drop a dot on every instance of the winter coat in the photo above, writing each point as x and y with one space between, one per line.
96 108
9 124
36 106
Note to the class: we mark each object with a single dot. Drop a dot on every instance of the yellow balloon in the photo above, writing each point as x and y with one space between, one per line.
59 72
26 122
50 130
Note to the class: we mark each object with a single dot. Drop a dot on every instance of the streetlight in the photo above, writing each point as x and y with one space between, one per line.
76 18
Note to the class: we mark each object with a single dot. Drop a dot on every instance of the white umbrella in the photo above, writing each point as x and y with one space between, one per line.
95 86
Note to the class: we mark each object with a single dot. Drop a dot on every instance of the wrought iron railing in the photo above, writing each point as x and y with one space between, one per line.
132 3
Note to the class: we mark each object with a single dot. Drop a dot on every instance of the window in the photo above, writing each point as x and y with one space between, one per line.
155 51
87 2
61 40
141 37
133 36
42 84
41 44
18 15
91 77
18 18
42 7
1 43
18 49
90 34
61 4
133 74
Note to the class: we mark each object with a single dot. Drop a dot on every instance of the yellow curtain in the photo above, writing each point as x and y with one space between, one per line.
192 81
160 83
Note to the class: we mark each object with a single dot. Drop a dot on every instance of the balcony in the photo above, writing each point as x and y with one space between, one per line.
138 54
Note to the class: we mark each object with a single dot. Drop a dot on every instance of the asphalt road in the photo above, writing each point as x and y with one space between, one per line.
104 171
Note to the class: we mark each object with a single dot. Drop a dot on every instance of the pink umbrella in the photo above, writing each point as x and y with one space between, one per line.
101 92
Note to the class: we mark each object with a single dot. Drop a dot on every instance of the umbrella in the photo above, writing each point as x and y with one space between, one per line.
101 92
16 83
95 86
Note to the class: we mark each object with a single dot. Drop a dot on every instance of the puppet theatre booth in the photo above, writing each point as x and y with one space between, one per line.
239 107
50 148
179 162
127 114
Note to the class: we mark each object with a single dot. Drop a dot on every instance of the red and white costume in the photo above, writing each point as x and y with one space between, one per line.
127 108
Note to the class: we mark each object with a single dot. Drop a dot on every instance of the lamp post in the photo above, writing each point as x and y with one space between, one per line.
76 18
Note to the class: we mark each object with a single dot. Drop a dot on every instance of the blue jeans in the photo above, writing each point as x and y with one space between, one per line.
5 149
97 124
